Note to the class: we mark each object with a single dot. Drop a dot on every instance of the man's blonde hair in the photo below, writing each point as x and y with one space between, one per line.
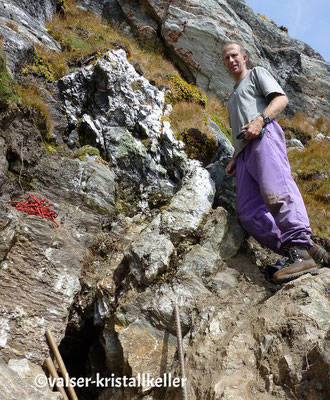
241 47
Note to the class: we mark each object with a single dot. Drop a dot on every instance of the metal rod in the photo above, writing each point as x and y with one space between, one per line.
180 350
61 364
52 370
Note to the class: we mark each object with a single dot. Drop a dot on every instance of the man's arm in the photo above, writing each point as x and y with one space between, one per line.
276 106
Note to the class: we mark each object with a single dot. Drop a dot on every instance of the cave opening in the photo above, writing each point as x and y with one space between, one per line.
84 357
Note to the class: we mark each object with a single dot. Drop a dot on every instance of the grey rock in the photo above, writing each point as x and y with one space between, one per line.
189 205
223 142
320 137
139 18
222 233
201 262
38 9
152 345
111 11
13 387
97 6
225 186
224 279
236 346
22 27
18 49
121 113
157 306
73 139
31 374
3 160
45 285
8 225
294 144
244 336
90 181
150 255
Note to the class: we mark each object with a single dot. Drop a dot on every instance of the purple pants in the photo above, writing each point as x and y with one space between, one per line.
269 204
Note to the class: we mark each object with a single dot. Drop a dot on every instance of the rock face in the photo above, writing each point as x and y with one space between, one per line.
143 228
186 25
273 342
22 26
120 112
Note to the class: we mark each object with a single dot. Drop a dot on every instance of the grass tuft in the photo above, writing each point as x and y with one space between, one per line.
32 100
311 168
302 123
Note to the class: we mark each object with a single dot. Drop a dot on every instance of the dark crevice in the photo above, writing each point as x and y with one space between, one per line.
84 356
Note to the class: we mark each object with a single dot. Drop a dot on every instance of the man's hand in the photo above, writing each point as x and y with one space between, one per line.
254 128
277 103
231 168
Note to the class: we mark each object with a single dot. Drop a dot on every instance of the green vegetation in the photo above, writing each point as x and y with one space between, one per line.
159 200
27 98
183 91
86 151
189 121
266 19
8 87
311 168
31 100
47 65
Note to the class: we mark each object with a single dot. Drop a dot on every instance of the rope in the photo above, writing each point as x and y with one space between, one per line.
33 206
180 350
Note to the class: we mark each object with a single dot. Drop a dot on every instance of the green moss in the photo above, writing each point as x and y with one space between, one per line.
159 200
183 91
41 67
49 148
8 87
147 143
86 150
199 145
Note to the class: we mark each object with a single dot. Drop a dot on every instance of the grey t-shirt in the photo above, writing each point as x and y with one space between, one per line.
248 100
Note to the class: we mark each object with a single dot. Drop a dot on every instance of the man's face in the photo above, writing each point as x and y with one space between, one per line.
233 59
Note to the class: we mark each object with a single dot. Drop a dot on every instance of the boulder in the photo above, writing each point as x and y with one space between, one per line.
294 144
149 256
18 382
222 233
190 204
123 118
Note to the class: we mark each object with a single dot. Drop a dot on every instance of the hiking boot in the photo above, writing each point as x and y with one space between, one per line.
299 262
316 252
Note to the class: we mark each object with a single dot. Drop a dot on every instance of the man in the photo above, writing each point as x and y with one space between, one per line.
269 204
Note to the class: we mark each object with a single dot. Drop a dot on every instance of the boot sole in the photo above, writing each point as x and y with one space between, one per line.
318 256
295 275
